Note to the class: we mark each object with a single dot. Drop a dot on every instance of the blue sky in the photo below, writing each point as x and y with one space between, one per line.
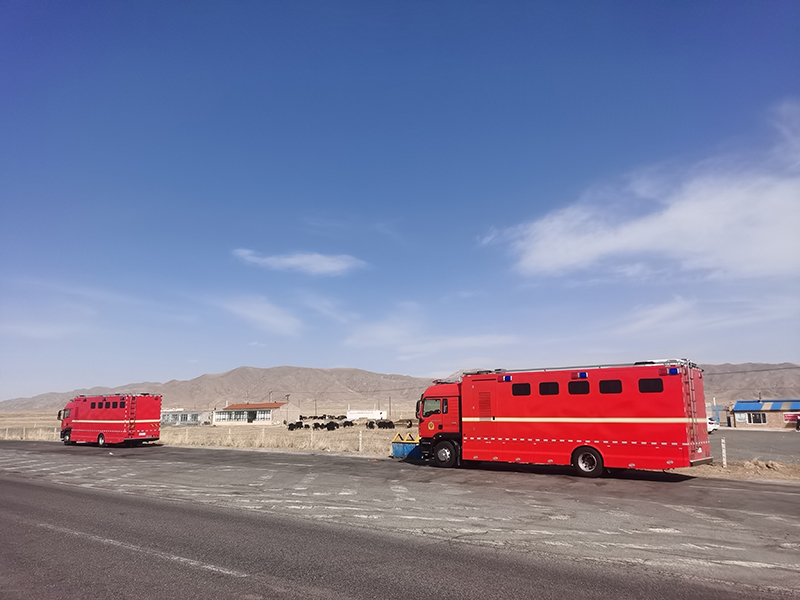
404 187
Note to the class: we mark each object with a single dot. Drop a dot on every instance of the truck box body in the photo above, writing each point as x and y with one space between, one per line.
112 419
644 415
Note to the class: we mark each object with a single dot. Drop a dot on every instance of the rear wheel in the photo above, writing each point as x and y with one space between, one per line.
587 462
444 454
101 440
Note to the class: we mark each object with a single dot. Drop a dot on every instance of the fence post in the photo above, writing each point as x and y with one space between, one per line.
23 433
186 436
230 438
359 440
724 455
263 434
55 434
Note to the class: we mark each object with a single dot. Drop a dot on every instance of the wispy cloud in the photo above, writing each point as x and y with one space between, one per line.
396 329
259 312
311 263
40 330
689 317
727 217
404 333
437 345
328 308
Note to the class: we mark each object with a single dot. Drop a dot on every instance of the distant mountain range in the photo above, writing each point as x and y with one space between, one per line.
309 391
316 391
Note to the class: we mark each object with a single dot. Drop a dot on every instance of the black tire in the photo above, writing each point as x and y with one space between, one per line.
66 437
444 454
101 440
587 462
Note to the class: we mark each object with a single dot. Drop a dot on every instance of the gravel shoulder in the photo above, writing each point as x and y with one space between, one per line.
750 469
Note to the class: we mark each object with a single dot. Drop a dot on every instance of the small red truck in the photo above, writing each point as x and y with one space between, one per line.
648 415
131 419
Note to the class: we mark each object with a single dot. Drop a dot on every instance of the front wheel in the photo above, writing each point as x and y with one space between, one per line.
444 455
587 462
101 440
66 438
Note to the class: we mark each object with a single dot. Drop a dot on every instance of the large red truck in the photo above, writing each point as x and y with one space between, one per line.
648 415
117 419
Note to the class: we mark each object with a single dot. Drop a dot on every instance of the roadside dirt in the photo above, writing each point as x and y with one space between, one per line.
751 469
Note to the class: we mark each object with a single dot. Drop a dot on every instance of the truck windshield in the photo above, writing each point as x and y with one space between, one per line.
431 407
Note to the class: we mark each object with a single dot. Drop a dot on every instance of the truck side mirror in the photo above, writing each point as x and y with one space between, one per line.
59 415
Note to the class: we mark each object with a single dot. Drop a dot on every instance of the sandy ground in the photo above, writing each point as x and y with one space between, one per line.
751 469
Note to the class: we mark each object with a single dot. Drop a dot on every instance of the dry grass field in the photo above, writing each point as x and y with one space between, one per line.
30 425
357 439
34 425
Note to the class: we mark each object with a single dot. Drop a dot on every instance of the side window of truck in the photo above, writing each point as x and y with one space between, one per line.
548 388
108 404
610 386
520 389
431 407
578 387
651 386
91 405
113 405
122 404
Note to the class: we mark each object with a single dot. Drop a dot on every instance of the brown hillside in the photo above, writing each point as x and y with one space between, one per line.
749 381
334 390
323 390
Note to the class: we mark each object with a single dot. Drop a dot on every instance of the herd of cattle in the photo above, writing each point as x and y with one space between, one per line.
332 424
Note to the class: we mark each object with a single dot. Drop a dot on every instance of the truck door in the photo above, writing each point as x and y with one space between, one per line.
481 405
431 414
66 417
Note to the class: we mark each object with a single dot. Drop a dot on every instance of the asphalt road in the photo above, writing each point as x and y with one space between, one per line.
87 522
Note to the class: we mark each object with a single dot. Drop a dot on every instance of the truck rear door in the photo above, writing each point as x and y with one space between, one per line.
694 403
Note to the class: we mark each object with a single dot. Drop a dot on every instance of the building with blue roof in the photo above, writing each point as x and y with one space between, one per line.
766 414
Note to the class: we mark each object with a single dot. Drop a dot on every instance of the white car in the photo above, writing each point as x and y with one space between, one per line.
712 425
